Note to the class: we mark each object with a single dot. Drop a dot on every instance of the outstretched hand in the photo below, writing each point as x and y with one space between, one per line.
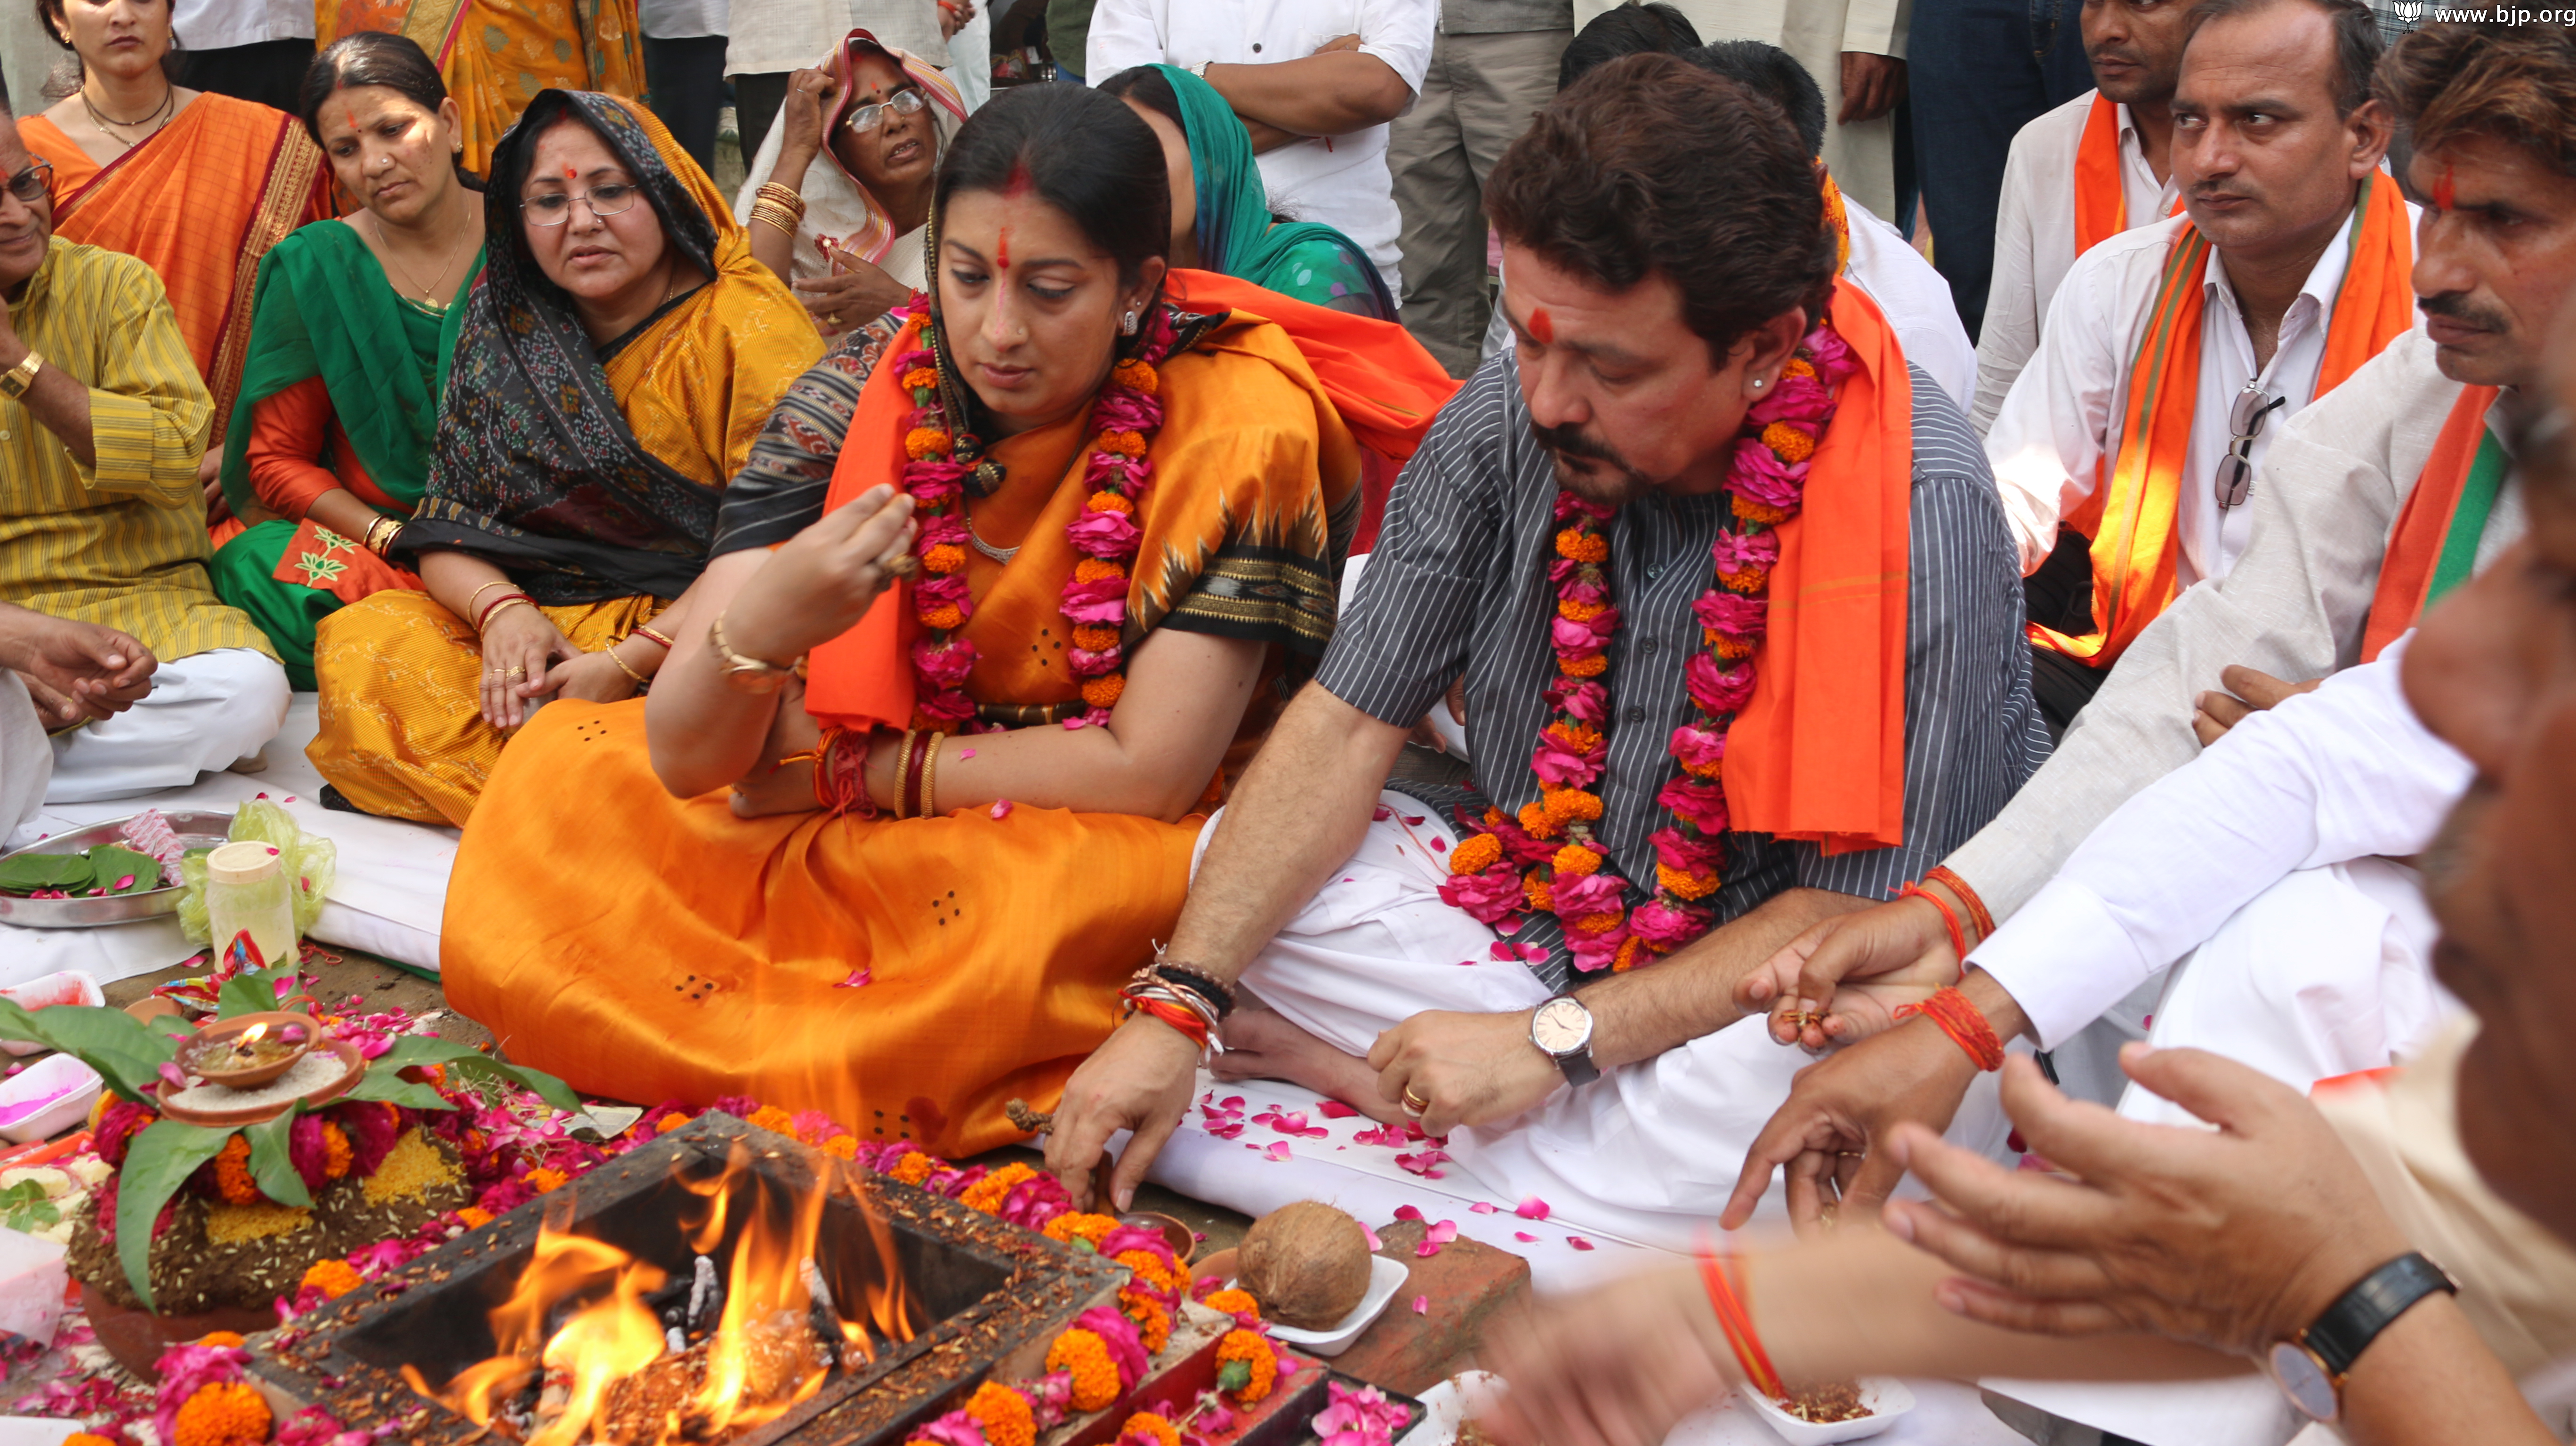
1138 1079
1902 948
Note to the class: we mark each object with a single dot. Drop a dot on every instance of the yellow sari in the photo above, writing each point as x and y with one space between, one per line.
908 977
498 57
592 482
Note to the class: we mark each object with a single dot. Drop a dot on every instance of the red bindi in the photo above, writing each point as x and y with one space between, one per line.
1540 327
2444 190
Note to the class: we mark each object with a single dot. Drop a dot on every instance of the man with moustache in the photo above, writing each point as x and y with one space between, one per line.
2177 348
1735 607
2380 497
2079 175
102 521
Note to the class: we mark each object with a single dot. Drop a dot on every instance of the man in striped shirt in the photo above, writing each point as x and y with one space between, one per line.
102 418
1584 540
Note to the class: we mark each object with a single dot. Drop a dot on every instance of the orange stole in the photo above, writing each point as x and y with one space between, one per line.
2424 523
200 203
2135 509
1819 751
2101 201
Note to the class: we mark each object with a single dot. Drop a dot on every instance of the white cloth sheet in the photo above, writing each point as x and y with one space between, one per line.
1341 181
219 24
2035 238
205 712
387 898
2061 425
26 759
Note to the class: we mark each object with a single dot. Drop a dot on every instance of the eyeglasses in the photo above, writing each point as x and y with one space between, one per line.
2245 422
869 117
34 184
553 208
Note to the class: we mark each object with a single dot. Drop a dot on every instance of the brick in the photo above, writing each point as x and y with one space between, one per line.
1470 1286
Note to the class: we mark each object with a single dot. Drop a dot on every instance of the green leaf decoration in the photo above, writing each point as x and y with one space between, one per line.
123 1049
392 1088
25 1207
157 1163
416 1049
111 864
27 873
252 991
1233 1376
270 1168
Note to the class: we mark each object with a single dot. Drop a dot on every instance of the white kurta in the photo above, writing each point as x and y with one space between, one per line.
2035 238
1817 32
26 761
206 711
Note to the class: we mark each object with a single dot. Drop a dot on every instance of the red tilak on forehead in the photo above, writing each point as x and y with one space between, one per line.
1541 327
1019 183
2445 190
1002 258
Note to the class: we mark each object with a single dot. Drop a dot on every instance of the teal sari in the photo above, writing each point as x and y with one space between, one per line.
1307 260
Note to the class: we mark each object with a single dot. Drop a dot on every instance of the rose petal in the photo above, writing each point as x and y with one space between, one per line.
1407 1212
1442 1233
1422 1305
1382 815
859 979
1525 1237
1484 1207
965 754
1001 808
1533 1208
1279 1151
1375 1244
1578 1242
1426 1250
1335 1110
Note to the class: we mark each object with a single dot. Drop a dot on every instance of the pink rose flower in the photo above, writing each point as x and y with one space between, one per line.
1559 765
1595 952
1572 639
1732 613
1738 551
1699 803
1716 687
944 667
1488 898
1584 701
1570 506
1088 664
1664 927
1700 746
1800 400
945 588
1103 534
1677 850
1585 894
939 529
1758 474
1831 354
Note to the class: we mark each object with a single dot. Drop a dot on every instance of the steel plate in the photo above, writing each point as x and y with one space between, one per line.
195 830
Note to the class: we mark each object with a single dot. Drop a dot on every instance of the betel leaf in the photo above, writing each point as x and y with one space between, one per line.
25 1207
157 1163
393 1089
112 864
252 991
417 1049
270 1167
123 1049
26 873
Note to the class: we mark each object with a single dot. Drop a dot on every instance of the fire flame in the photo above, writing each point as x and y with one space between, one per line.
605 1365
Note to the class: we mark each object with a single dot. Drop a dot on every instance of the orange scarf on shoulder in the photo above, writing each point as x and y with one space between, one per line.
2135 510
2424 558
1819 751
2101 201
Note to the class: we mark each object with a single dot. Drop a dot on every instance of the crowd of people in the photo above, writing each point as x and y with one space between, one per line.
956 621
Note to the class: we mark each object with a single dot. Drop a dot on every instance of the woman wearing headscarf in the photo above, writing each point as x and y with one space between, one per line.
350 334
841 188
613 368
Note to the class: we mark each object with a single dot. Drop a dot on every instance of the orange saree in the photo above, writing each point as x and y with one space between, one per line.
907 977
200 203
495 56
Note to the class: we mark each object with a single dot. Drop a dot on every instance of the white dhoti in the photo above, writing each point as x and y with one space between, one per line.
26 761
205 712
2328 972
1649 1150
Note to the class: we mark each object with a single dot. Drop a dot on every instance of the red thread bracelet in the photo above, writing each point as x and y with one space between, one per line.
1737 1322
1949 917
1959 1018
1191 1026
1977 915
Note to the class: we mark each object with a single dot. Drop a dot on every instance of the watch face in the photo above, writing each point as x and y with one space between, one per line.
1561 1026
2303 1379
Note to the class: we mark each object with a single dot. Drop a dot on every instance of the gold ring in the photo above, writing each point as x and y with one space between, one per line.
515 674
1413 1102
833 320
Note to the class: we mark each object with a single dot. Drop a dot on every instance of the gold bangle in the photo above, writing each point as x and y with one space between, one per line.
775 222
646 632
381 534
930 778
641 682
478 594
786 197
902 770
498 608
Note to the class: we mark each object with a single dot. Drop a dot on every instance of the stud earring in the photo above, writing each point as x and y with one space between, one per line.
1757 384
1127 324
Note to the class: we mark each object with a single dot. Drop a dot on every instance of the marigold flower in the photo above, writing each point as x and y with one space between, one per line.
1251 1351
223 1413
1581 546
1094 639
334 1278
923 443
1234 1301
87 1438
1576 610
947 617
1004 1414
1541 897
232 1173
1147 1429
1072 1227
1598 923
1576 860
842 1147
1751 580
1536 823
1475 854
1137 375
944 557
672 1121
1107 501
1762 512
1104 691
1798 367
545 1181
1149 1268
1153 1323
1792 445
773 1119
1590 665
475 1217
1125 444
1086 1357
222 1338
1094 569
335 1151
1566 805
1727 645
1628 956
1698 885
985 1196
1580 737
913 1168
919 378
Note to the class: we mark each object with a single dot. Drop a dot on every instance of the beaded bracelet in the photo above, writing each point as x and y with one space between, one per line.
1958 1017
1942 875
1734 1319
1949 917
1181 976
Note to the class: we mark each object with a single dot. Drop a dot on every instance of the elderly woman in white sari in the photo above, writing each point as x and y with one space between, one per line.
841 187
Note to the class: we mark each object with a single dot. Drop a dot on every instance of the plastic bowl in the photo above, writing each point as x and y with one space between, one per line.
1886 1397
71 1086
69 986
1386 1278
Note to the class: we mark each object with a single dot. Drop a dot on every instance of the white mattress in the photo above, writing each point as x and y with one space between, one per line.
390 890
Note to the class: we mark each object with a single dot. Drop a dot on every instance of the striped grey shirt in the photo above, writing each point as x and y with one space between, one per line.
1458 584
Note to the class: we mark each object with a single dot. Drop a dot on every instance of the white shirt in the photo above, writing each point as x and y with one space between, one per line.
2061 422
2342 773
2294 607
2035 237
774 36
1914 297
1341 181
683 19
222 24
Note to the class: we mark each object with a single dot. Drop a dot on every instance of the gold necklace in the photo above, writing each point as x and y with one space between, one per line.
428 294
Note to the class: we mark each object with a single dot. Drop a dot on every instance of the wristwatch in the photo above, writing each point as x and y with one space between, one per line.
2310 1367
747 675
1562 1030
15 381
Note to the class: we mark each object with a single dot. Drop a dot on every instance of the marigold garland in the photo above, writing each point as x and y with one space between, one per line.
334 1278
1086 1358
1147 1429
985 1196
1151 1269
1125 417
1005 1415
226 1413
1153 1322
1247 1367
913 1168
232 1173
1086 1228
1234 1301
1548 858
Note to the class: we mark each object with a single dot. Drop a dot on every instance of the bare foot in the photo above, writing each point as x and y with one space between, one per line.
1261 1045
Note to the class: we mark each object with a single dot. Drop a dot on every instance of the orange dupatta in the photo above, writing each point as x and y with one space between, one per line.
2101 200
1819 751
200 202
2417 544
2136 511
1384 384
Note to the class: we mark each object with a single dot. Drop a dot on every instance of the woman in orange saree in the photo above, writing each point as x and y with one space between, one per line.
196 185
496 57
945 852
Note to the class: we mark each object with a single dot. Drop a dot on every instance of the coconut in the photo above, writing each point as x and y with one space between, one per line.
1307 1263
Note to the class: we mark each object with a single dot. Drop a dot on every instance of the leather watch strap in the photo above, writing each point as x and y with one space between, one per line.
2348 1326
1578 1066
